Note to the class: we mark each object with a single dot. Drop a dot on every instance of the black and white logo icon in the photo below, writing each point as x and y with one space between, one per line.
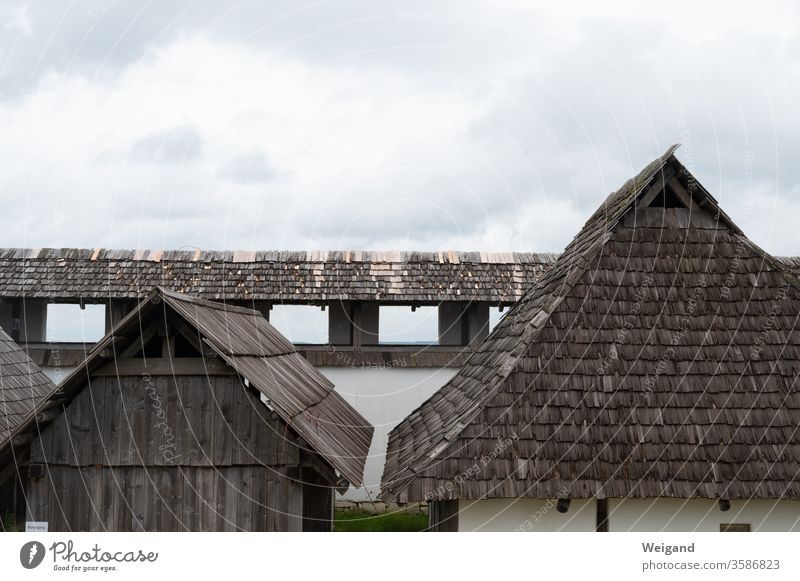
31 554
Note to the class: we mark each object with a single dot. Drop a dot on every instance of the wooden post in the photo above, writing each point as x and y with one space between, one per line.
33 322
451 323
9 317
263 307
477 326
365 324
443 516
116 309
340 323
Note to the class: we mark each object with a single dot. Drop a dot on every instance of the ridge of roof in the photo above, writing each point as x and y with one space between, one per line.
784 264
447 257
206 304
534 308
255 256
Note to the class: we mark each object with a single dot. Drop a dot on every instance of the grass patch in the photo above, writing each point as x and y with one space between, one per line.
9 524
359 521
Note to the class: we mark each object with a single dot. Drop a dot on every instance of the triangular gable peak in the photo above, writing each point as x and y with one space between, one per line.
574 394
170 334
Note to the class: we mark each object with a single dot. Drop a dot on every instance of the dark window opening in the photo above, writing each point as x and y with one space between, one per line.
601 521
666 198
734 528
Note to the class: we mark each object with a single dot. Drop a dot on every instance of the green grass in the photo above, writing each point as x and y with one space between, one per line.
360 521
9 524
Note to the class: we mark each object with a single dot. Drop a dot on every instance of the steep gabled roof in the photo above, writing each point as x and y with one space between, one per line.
295 390
303 397
22 387
530 414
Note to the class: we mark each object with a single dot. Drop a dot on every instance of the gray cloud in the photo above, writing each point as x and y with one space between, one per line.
342 125
253 168
177 144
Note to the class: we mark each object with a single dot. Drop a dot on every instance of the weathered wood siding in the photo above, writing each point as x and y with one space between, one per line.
443 516
162 453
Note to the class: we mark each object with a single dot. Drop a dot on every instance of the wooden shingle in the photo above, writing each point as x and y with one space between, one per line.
23 387
102 274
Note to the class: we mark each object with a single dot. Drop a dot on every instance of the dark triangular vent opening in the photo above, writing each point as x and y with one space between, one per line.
666 198
152 348
183 348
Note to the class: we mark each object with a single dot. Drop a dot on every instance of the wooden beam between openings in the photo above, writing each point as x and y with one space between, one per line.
165 366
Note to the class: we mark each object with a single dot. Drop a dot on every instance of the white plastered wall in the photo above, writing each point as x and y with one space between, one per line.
525 514
384 396
635 515
702 515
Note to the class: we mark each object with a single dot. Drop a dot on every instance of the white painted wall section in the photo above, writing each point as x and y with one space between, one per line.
57 374
385 396
702 515
525 514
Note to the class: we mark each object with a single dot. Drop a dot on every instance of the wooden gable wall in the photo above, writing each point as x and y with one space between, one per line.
164 453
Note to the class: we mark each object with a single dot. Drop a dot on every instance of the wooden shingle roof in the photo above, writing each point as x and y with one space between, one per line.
304 277
405 277
302 397
22 387
656 357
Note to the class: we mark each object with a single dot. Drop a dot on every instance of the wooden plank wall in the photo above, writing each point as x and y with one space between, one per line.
317 503
443 516
128 498
167 454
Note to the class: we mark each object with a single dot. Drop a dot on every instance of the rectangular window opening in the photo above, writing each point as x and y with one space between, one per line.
301 324
495 316
734 528
404 326
69 323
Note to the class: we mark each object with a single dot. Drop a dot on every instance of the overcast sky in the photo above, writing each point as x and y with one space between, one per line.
472 125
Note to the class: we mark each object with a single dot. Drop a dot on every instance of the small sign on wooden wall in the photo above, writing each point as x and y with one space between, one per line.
36 526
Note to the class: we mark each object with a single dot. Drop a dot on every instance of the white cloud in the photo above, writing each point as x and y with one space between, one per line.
17 19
